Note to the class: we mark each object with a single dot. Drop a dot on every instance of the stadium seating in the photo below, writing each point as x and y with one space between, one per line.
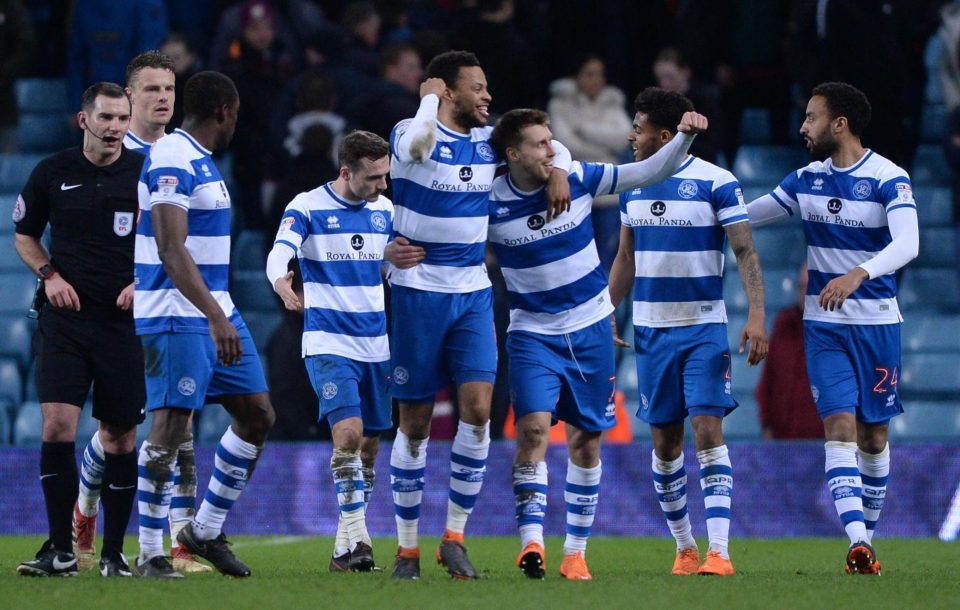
755 126
744 422
767 165
17 288
7 201
214 420
938 247
930 166
28 425
934 205
744 377
251 291
6 435
11 381
15 169
930 376
262 325
924 421
45 133
248 252
42 95
937 289
931 333
781 246
16 333
933 123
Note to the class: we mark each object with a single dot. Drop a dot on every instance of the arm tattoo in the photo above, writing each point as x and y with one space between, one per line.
748 263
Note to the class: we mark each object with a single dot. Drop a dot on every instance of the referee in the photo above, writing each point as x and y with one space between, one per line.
86 335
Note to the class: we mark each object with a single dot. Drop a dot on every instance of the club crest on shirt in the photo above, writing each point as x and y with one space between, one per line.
485 152
687 189
862 189
379 221
122 223
329 390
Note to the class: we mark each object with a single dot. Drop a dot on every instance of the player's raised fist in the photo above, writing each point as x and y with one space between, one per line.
693 123
435 86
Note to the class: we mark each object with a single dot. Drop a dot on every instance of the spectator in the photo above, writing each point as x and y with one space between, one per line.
361 22
786 404
105 34
673 73
508 59
185 64
315 103
588 115
398 95
948 63
259 68
16 49
951 149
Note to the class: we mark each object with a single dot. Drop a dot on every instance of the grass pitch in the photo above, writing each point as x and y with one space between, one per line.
628 573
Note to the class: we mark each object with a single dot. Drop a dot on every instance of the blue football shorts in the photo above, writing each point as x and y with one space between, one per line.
351 388
572 376
181 370
437 337
854 368
683 371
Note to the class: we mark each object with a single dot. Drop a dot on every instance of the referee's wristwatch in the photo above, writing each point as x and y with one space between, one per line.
46 271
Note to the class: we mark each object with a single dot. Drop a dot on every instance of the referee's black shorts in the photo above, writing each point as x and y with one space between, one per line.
73 351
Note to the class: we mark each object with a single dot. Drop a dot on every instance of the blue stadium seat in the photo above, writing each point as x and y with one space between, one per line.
7 201
11 381
755 126
733 296
10 261
933 123
251 291
932 289
16 333
938 247
768 165
931 333
28 425
627 379
15 169
213 423
744 422
42 95
30 380
780 288
45 133
17 288
930 376
927 420
744 377
6 427
934 205
248 251
781 246
930 166
262 325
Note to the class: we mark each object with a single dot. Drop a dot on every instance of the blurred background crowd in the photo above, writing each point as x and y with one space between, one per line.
309 71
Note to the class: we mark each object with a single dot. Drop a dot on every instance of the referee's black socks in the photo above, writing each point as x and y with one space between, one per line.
117 492
60 482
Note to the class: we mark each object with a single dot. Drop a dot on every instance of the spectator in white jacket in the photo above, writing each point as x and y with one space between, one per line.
588 115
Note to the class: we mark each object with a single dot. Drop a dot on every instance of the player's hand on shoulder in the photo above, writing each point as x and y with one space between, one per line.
692 123
402 254
60 293
434 85
284 289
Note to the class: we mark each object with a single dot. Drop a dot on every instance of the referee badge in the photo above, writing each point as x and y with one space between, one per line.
122 223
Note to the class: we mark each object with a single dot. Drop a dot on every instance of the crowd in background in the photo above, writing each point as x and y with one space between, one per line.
309 71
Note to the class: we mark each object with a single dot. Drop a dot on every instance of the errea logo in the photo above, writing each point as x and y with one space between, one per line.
333 222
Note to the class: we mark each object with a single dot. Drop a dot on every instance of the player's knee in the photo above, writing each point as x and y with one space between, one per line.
118 440
59 426
532 435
